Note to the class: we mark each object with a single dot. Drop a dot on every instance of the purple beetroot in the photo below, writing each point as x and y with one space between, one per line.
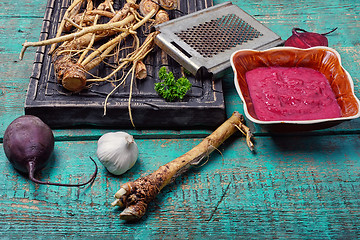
301 38
28 144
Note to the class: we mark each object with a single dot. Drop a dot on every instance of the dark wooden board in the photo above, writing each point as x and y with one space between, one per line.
202 107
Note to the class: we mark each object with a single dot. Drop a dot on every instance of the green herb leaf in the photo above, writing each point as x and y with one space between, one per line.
168 88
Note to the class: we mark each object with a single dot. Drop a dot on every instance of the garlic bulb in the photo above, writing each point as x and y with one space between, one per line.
117 151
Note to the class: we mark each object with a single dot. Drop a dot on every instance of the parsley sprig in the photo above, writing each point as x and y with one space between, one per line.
169 88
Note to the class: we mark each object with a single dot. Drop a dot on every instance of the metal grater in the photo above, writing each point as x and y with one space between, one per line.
203 41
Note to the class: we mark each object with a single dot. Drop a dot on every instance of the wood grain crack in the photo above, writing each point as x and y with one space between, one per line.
217 205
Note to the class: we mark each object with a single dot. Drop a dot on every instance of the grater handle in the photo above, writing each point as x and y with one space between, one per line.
177 53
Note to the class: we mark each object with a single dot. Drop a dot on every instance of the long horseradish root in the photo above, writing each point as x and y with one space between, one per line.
135 196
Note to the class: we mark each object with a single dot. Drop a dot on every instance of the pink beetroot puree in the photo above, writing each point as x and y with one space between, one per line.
296 93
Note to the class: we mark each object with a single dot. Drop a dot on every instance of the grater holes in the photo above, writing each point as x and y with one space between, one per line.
215 36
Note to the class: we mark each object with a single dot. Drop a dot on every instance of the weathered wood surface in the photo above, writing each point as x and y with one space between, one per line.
303 187
293 187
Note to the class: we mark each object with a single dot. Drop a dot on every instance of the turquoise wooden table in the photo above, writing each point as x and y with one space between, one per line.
301 186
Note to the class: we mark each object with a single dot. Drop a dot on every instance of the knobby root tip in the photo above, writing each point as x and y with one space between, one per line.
120 193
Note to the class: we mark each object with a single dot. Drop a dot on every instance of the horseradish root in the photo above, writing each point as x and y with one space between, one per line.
73 49
135 196
83 42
